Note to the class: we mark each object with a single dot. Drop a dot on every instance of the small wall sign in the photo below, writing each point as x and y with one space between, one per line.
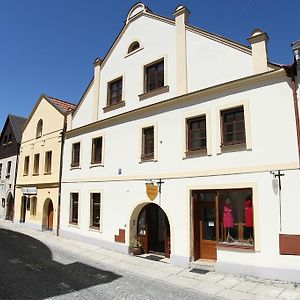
151 191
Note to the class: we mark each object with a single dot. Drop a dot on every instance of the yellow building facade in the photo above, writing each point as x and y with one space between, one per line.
39 168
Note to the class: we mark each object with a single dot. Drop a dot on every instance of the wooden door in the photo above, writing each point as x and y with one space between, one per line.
23 209
50 216
208 230
167 238
142 230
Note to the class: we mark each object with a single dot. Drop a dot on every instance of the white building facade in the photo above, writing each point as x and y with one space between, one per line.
199 119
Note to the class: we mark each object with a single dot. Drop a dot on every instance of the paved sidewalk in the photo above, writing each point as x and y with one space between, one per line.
220 285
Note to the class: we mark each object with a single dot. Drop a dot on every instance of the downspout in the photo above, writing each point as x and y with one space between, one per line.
296 107
60 173
15 181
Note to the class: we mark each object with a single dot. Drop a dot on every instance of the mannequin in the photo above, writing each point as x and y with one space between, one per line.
249 217
227 220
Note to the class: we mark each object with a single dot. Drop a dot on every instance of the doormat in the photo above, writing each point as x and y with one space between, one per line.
199 271
153 257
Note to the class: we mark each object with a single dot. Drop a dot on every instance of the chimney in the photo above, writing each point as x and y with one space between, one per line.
97 64
259 44
181 15
296 50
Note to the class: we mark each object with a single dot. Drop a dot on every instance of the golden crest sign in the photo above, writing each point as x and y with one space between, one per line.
151 191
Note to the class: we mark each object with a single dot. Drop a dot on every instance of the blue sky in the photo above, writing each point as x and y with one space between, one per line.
49 46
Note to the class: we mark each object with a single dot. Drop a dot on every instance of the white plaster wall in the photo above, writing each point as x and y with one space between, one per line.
210 63
84 114
150 33
7 184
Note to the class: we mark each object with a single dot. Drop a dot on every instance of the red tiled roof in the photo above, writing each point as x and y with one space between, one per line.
64 105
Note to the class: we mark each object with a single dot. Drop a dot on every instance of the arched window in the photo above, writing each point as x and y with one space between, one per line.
39 128
133 46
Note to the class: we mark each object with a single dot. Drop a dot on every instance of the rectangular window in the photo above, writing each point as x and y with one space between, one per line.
26 166
33 204
95 210
0 171
114 92
196 134
36 164
75 155
148 143
10 138
74 208
8 169
96 151
233 126
48 162
5 140
154 76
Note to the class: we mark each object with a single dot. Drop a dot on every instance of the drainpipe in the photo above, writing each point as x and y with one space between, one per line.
15 181
60 173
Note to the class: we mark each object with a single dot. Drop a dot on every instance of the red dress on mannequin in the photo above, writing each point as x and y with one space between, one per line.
227 216
249 213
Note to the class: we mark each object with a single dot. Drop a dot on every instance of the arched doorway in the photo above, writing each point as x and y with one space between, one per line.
9 207
48 215
153 230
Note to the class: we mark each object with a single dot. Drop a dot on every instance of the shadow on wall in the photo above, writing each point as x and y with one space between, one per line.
28 271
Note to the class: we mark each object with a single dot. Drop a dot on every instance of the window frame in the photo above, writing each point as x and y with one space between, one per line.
26 165
75 164
151 155
8 168
132 47
146 76
39 129
93 161
36 164
109 92
71 215
48 162
92 207
33 206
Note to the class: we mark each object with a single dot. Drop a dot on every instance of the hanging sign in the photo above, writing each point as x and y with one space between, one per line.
151 191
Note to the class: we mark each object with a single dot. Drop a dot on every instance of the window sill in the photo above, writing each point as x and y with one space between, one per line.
75 225
229 247
195 153
114 106
133 52
47 173
153 93
233 148
96 165
94 229
147 160
35 174
75 167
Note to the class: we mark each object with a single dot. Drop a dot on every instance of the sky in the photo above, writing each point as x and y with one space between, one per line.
48 46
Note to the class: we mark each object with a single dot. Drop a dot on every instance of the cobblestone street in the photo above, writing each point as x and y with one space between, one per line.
32 270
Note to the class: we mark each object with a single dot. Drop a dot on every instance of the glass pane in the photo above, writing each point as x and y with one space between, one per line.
209 223
142 223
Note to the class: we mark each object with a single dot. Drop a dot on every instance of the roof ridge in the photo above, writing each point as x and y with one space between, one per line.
65 101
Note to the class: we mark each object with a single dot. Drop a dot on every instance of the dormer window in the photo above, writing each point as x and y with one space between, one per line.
133 46
39 128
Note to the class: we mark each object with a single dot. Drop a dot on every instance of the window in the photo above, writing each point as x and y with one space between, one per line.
48 162
233 126
154 76
114 92
95 210
39 128
33 204
8 169
5 140
0 171
75 155
134 46
96 151
226 216
196 135
36 164
74 208
10 138
26 166
148 143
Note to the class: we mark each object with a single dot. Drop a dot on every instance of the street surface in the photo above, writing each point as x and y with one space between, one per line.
30 270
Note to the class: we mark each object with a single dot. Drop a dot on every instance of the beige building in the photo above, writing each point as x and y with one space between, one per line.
38 175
